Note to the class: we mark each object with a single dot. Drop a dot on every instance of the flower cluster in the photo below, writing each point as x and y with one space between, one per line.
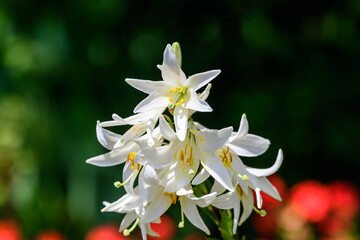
170 155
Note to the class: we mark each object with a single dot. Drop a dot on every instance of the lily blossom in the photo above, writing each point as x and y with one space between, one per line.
181 160
175 91
234 200
188 202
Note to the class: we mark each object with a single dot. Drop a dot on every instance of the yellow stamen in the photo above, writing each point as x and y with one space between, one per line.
173 197
177 104
170 90
176 88
227 149
182 89
182 100
171 99
130 157
181 156
190 157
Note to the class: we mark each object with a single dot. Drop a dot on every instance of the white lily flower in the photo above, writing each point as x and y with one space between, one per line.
134 207
175 91
188 202
182 159
234 200
246 177
245 144
143 122
124 147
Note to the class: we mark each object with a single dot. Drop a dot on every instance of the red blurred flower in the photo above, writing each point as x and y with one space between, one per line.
344 208
332 226
9 230
267 225
346 199
50 235
105 232
166 229
311 200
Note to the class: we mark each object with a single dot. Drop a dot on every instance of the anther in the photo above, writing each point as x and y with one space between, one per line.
171 99
170 90
181 89
175 90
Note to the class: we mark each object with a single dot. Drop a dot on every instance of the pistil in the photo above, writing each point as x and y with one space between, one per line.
128 231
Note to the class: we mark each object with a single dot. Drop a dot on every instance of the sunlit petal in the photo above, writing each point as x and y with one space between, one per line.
181 121
145 86
249 146
157 208
191 212
199 80
212 140
217 170
268 171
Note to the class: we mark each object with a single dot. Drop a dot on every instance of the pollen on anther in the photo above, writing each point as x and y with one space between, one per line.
182 100
175 90
227 149
170 90
181 156
171 99
182 89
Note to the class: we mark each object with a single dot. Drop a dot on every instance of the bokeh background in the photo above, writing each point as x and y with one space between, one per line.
291 66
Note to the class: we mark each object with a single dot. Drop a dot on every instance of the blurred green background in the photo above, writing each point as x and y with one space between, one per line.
291 66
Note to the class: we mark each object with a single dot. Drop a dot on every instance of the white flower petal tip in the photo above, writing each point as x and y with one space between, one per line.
199 80
268 171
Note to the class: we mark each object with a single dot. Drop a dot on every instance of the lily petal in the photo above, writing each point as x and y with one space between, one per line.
145 86
170 69
157 157
166 130
268 188
192 213
249 146
205 200
217 170
106 137
201 177
113 158
197 104
149 231
157 208
217 187
247 208
181 121
199 80
225 201
236 215
127 220
268 171
243 128
154 100
212 140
